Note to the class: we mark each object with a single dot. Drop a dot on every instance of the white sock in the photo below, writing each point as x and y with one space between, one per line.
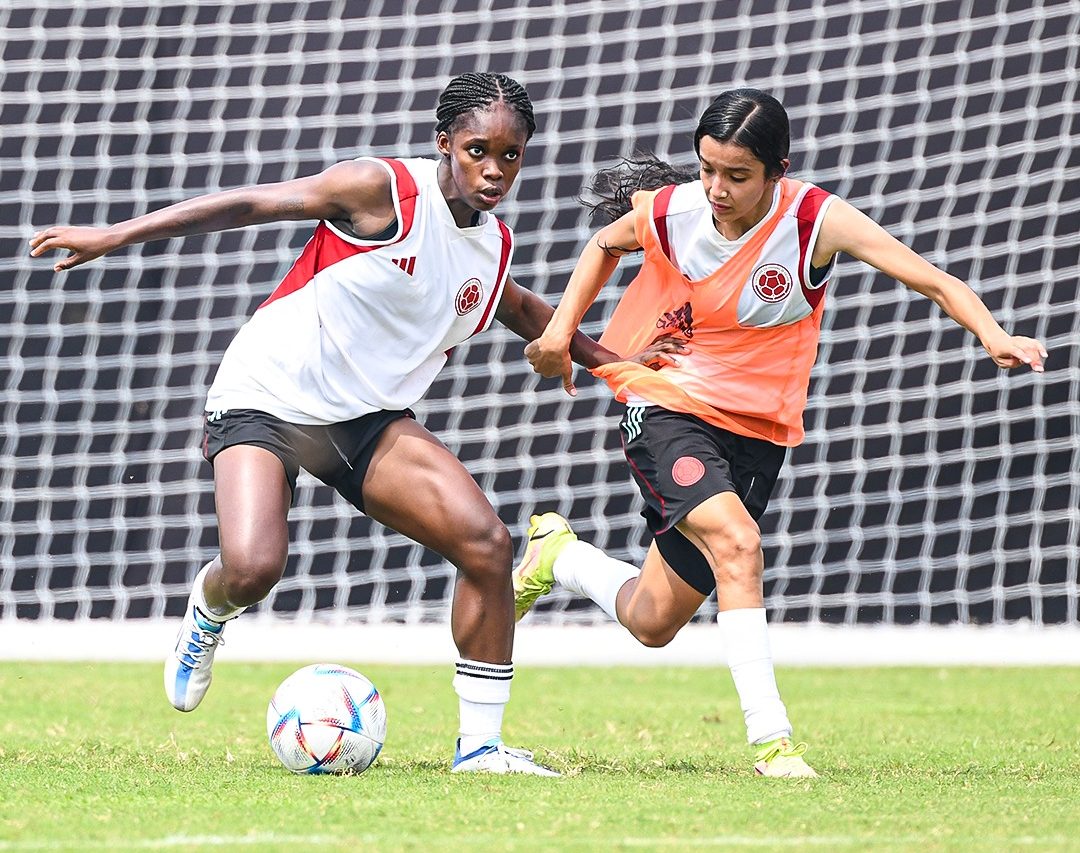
217 614
483 690
588 571
746 643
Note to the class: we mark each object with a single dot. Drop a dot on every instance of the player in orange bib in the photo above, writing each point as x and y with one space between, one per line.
737 262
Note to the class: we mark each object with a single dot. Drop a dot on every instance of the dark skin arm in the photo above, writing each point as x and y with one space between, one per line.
527 315
548 352
356 191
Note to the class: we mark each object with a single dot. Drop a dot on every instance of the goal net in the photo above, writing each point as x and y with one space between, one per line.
931 488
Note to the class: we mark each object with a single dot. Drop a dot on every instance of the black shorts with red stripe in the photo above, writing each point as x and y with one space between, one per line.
338 454
678 462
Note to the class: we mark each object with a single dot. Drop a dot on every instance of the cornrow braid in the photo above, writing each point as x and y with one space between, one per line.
475 91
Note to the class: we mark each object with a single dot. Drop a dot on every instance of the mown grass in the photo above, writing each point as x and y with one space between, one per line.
93 758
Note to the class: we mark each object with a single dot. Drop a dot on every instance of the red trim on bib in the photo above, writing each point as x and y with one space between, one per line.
324 249
660 208
807 216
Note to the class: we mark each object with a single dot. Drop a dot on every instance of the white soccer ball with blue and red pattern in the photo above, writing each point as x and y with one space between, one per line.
326 718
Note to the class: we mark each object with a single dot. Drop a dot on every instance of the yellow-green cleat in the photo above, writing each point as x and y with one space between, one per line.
535 576
782 758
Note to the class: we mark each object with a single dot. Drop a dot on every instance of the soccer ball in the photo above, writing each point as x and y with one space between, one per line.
326 718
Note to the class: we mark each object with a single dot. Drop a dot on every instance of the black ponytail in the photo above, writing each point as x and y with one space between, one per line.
614 187
748 117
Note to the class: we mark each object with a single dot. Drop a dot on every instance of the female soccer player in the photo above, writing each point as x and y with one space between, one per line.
736 266
406 263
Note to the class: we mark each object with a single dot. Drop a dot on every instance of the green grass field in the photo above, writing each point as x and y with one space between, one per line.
93 758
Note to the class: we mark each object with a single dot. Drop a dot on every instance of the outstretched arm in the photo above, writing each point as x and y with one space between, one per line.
527 315
550 352
358 191
846 229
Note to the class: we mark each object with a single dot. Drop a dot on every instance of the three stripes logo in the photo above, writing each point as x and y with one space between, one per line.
406 264
632 422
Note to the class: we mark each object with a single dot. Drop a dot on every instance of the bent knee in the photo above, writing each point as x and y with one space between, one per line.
485 551
651 629
249 575
743 541
735 555
736 545
655 637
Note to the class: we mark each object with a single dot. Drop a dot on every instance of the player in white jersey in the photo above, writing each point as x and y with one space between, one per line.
406 262
737 260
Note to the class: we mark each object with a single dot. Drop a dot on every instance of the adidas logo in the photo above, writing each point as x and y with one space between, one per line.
406 264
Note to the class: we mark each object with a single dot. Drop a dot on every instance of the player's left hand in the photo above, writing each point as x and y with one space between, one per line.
1011 352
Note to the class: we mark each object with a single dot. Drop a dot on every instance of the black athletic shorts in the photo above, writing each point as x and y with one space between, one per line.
338 454
679 461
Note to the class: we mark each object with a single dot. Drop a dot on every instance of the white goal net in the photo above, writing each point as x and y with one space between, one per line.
931 488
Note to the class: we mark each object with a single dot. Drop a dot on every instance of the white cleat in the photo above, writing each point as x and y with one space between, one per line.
496 757
188 666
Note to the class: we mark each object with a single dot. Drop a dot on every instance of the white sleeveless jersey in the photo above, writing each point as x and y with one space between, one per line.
358 326
779 290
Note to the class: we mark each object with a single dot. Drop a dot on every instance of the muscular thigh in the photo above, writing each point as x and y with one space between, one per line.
720 525
420 489
252 497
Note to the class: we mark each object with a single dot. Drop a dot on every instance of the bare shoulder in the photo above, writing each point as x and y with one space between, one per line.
844 228
363 190
363 182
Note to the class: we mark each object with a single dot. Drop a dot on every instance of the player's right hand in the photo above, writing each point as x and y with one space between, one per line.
665 350
84 244
549 360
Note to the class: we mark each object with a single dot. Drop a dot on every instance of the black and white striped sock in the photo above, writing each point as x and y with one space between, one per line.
483 690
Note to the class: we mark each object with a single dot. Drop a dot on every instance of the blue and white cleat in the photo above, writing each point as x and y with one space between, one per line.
188 666
496 757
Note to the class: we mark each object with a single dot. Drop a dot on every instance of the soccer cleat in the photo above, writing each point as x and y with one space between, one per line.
535 575
782 758
188 667
496 757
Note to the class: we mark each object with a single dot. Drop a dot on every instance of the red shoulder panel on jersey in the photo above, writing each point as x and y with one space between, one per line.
807 216
504 261
407 193
660 207
326 248
322 250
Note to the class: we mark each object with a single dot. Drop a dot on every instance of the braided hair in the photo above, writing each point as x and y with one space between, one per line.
747 117
473 91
